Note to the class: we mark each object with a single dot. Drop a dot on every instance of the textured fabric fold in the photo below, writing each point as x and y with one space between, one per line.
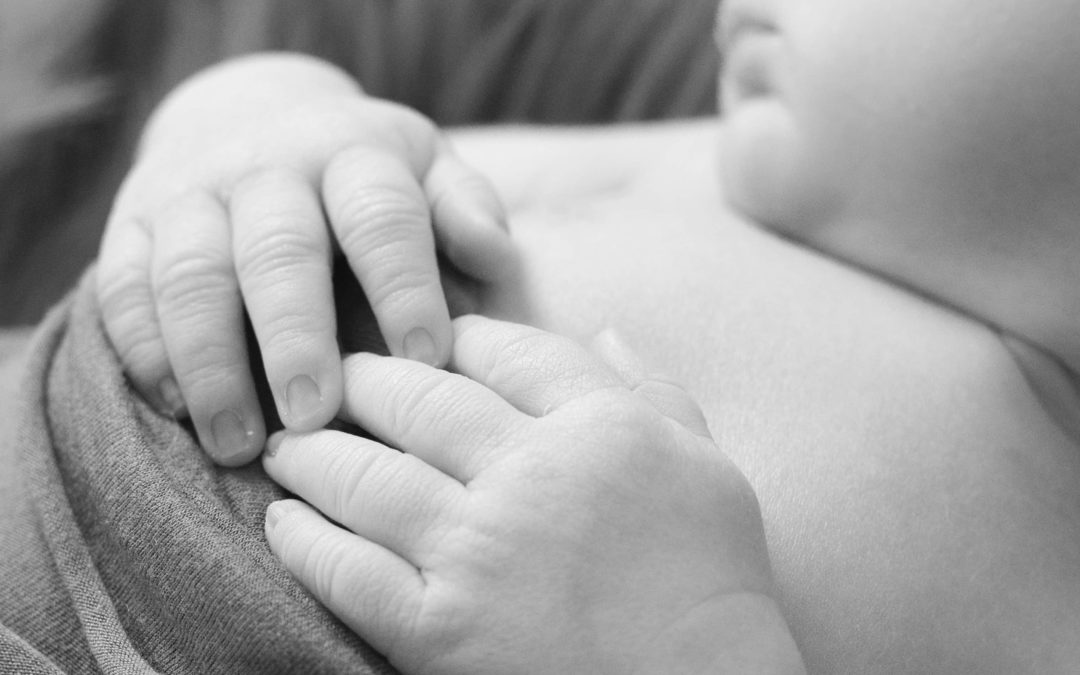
122 548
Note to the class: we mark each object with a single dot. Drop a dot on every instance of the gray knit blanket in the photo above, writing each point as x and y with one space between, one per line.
122 548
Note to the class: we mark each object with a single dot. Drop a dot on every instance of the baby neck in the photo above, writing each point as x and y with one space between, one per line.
1056 384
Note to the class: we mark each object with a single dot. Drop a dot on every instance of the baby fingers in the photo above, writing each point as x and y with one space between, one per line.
126 297
381 220
469 221
386 496
373 590
201 322
283 260
393 197
535 371
447 420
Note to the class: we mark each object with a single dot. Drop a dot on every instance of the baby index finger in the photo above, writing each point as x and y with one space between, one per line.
383 495
445 419
371 589
283 260
535 371
469 219
199 307
380 218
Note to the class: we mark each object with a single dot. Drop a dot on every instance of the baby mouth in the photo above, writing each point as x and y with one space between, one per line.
750 43
751 58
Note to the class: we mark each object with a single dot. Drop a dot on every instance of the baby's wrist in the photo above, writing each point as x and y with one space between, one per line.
737 633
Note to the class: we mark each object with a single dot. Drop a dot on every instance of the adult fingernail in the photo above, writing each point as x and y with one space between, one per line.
231 436
303 398
420 346
170 395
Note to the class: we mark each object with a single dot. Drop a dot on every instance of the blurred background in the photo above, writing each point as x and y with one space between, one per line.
79 77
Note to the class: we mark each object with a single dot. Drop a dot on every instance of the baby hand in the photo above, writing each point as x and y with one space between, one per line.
249 176
548 513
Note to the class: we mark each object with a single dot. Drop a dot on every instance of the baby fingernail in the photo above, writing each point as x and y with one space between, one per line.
610 346
612 342
303 398
491 221
273 515
420 346
273 443
276 511
231 436
170 395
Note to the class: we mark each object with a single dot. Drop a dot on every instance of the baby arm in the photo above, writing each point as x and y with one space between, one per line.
548 512
249 177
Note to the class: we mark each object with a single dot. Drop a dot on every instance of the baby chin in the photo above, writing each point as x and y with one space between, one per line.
768 171
767 168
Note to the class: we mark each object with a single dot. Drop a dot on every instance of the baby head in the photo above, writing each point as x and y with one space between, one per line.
936 142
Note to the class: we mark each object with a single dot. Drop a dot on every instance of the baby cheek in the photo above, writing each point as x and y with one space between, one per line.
768 172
